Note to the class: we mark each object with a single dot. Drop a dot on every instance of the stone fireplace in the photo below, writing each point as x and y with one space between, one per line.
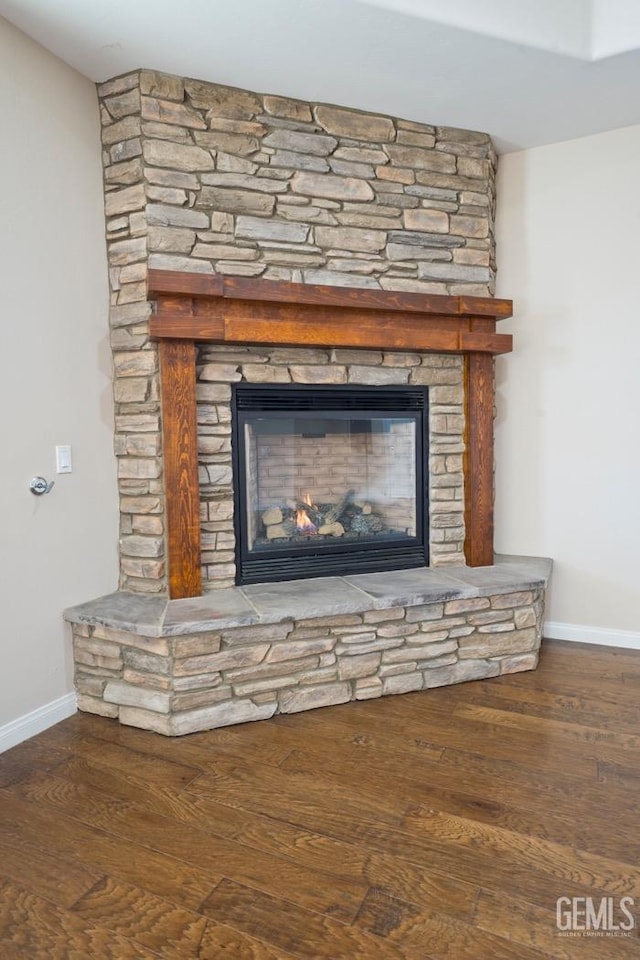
318 259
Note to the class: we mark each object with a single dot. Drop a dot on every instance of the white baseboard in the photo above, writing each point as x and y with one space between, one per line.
600 635
38 720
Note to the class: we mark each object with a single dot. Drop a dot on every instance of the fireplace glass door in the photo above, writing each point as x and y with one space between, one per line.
329 480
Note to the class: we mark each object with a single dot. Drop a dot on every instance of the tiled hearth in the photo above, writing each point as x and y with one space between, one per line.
178 666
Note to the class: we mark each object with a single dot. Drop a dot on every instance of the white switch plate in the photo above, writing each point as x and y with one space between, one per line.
64 463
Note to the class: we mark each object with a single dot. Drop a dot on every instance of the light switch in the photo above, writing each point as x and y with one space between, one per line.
64 463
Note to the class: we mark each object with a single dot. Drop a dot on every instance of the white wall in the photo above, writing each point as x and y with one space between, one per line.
59 549
568 435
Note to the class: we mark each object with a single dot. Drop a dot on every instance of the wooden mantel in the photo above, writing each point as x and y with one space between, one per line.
192 307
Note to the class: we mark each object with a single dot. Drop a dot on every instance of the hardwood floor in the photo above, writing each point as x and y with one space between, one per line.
442 824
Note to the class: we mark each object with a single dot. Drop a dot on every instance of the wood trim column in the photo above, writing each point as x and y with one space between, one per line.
478 458
180 453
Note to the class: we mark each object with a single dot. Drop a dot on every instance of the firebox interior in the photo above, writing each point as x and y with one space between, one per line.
330 480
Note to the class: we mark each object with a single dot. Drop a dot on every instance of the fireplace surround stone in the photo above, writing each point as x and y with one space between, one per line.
225 185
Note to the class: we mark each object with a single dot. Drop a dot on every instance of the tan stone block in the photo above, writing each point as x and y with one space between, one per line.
224 660
129 695
349 169
119 85
353 649
466 255
143 678
398 669
350 668
101 647
106 665
431 221
223 101
355 125
401 629
125 150
122 252
149 526
419 651
469 226
221 715
167 111
327 373
263 671
125 129
381 616
135 468
345 620
161 85
330 186
401 360
514 663
135 546
402 683
396 174
125 200
378 375
504 627
262 373
298 141
137 364
200 698
290 109
218 140
146 569
224 251
520 599
171 239
147 662
89 704
167 195
146 720
496 645
350 238
92 686
178 156
490 616
368 688
269 685
308 698
292 650
474 167
466 606
525 618
128 172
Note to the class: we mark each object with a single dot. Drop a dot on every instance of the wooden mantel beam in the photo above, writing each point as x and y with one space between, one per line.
194 307
233 310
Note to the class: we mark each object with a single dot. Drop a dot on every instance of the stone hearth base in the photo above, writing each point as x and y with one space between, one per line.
248 653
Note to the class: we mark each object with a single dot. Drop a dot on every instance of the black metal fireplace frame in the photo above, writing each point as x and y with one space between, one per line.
323 559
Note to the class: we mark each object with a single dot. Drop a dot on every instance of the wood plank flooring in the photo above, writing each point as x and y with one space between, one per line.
433 825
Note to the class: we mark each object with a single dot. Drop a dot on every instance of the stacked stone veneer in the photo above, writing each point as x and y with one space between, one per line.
200 177
220 366
181 684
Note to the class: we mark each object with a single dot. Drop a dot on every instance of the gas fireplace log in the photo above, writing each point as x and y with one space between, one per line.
271 516
311 511
334 529
335 512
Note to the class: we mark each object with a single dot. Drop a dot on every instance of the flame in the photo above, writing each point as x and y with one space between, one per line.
304 523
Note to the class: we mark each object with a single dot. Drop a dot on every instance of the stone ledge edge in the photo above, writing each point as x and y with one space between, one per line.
160 617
